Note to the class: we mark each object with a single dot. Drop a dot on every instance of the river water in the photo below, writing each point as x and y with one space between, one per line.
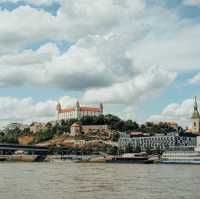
98 181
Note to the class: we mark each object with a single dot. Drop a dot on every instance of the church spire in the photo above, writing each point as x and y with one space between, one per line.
196 118
195 112
195 104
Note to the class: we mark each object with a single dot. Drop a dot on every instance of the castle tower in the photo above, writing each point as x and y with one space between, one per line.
77 109
196 119
59 109
101 108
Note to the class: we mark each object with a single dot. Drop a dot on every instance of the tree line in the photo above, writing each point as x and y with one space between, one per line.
115 123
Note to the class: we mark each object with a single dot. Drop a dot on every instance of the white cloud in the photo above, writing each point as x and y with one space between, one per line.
179 112
34 2
74 20
94 68
24 26
114 45
195 79
27 66
77 69
25 110
140 31
177 52
146 84
191 2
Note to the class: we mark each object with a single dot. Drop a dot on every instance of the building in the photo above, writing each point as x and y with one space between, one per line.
92 128
74 143
75 129
36 127
154 142
136 134
195 119
14 126
173 124
78 111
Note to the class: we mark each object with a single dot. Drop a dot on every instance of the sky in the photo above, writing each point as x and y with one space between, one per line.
141 58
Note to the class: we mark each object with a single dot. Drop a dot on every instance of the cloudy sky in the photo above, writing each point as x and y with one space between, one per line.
141 58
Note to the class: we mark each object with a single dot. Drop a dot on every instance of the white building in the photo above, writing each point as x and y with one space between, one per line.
13 126
75 129
78 111
163 142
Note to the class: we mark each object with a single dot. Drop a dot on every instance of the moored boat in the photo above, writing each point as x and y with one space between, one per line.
2 158
136 158
22 158
92 160
181 155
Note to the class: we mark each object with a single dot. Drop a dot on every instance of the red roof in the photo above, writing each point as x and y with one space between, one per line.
90 109
136 133
68 110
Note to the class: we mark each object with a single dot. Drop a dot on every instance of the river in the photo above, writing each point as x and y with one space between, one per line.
98 181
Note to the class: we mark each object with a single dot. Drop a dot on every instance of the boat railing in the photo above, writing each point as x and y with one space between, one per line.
182 148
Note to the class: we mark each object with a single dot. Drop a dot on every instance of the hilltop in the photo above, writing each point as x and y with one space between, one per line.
96 133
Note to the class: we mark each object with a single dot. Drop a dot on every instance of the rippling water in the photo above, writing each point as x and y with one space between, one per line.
95 181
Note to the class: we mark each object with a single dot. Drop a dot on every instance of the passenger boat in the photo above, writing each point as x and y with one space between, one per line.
181 155
137 158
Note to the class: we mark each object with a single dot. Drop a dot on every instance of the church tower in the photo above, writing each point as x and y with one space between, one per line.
196 119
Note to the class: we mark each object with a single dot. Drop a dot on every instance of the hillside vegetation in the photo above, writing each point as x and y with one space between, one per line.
115 123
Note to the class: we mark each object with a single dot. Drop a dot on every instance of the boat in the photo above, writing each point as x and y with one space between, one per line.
63 158
181 155
2 158
137 158
22 158
92 160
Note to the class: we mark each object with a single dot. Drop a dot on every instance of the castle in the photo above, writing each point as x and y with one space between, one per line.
78 111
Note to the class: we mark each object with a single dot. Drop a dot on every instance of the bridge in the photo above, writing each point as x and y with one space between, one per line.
33 149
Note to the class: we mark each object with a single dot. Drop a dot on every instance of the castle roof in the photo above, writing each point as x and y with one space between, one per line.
90 109
65 110
86 109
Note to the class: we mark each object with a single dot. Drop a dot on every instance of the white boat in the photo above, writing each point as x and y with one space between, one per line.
181 155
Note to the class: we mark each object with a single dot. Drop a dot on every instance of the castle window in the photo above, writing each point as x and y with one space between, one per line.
195 124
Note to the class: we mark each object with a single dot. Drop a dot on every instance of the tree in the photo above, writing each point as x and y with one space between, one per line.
115 136
129 125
